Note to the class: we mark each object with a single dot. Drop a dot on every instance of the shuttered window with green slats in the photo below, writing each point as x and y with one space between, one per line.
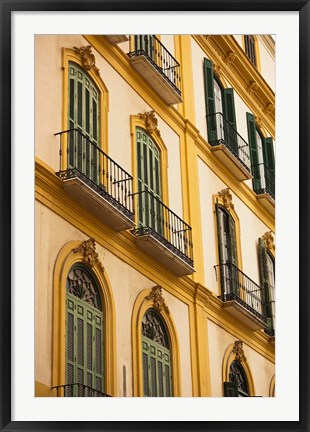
267 276
219 100
156 357
84 334
262 157
149 180
227 250
83 115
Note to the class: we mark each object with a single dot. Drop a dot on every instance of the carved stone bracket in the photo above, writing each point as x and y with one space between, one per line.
151 122
88 250
227 198
269 109
252 87
87 58
217 69
268 238
230 58
259 122
158 300
238 350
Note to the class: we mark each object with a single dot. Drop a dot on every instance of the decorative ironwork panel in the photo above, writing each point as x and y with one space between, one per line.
237 375
81 284
153 328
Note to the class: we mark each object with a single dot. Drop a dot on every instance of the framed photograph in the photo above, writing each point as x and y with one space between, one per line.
149 181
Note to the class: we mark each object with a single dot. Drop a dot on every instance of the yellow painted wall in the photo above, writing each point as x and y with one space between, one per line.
52 232
262 369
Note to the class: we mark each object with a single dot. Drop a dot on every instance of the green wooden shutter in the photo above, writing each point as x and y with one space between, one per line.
210 102
156 364
84 347
268 154
233 257
263 268
219 232
149 180
230 115
253 151
83 115
229 106
230 389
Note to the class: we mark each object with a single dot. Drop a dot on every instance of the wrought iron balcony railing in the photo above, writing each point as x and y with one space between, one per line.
237 286
85 160
157 219
78 390
222 132
264 180
156 53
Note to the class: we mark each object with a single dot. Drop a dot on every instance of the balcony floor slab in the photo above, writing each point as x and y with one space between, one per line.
97 204
243 315
160 84
165 256
231 162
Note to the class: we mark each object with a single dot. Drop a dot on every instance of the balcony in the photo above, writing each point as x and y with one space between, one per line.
97 182
78 390
163 235
229 147
242 297
264 186
157 66
117 39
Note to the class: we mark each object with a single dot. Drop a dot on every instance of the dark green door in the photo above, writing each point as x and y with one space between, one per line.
149 182
83 115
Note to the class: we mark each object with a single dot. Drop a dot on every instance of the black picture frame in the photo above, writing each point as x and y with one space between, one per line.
6 8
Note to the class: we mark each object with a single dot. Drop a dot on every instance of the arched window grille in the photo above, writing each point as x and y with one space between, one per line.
237 375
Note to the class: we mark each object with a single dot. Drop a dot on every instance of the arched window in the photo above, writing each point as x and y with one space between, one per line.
149 182
237 385
84 334
156 356
83 123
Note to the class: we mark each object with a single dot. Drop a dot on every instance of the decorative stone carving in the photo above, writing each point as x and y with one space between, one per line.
158 300
259 122
151 122
238 351
88 250
230 58
87 58
252 87
268 238
227 198
208 37
217 69
269 109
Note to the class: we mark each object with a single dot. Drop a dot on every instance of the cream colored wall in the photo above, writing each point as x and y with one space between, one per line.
126 284
251 229
267 63
124 46
123 101
180 314
168 41
239 39
199 92
262 369
48 94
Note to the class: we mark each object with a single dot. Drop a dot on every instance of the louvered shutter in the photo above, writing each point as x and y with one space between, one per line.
263 267
210 102
84 347
230 115
268 154
230 389
253 151
233 257
83 115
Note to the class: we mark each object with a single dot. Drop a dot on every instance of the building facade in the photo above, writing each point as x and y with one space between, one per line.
155 215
